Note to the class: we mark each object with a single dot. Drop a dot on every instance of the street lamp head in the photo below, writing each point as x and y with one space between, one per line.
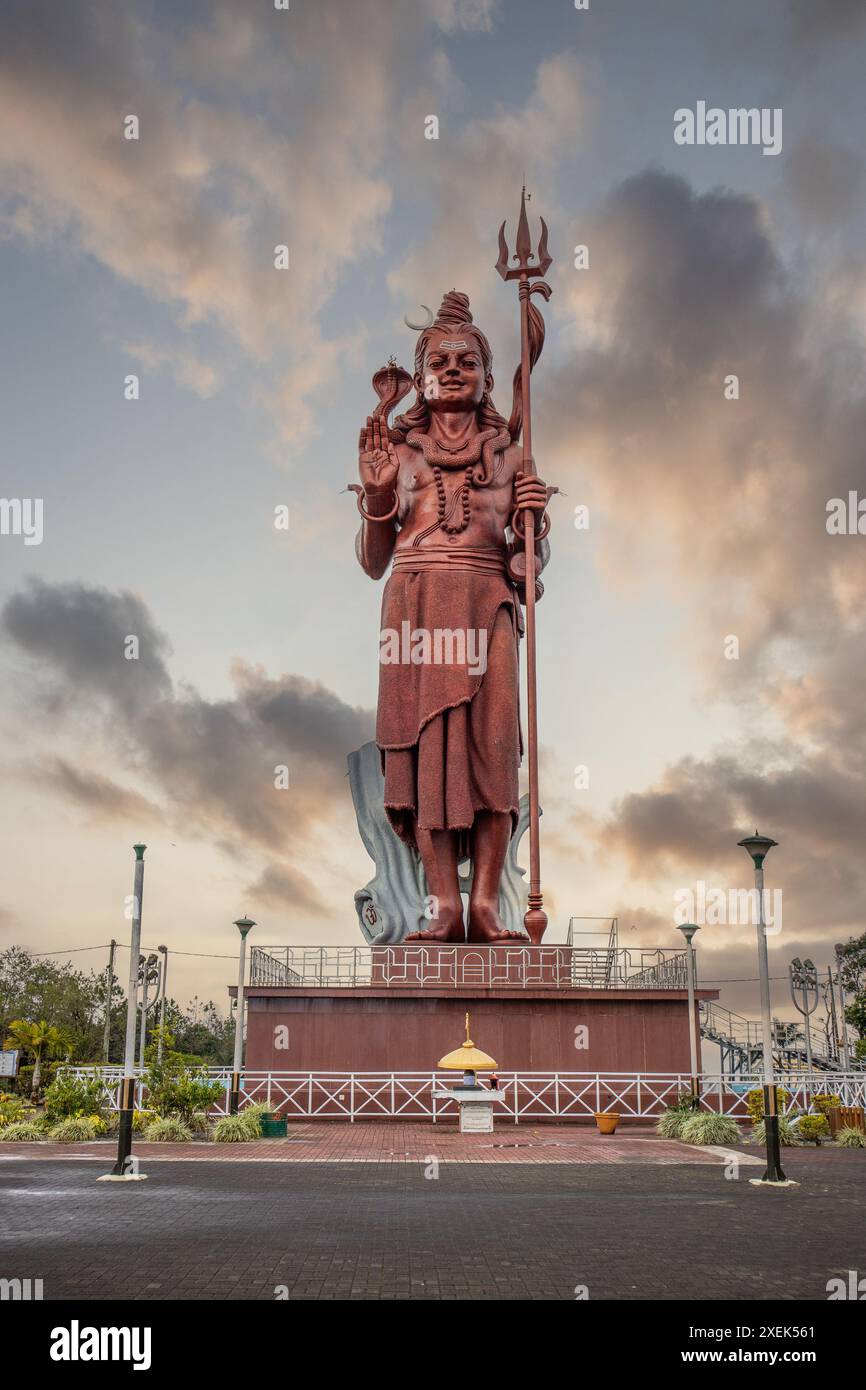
688 930
757 847
244 924
139 851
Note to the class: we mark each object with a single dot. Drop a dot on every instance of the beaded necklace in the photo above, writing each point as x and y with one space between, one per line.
465 456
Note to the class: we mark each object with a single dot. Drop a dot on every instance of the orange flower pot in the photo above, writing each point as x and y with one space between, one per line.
607 1121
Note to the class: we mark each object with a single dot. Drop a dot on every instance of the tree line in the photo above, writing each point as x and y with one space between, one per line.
56 1013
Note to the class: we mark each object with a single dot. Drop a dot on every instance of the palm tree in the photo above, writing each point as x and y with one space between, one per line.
42 1039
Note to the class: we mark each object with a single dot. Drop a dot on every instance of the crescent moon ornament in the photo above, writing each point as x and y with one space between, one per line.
421 327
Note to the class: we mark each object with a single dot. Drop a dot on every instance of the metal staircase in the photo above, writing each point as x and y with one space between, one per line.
741 1048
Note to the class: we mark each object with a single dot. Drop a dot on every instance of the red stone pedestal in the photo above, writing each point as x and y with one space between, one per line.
403 1028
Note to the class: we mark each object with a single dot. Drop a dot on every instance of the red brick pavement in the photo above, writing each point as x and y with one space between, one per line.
403 1143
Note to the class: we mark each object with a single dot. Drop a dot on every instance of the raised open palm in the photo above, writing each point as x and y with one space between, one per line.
377 463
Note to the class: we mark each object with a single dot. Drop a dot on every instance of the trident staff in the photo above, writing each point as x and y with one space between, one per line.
529 267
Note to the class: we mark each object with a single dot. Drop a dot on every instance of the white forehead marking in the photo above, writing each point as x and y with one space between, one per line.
457 343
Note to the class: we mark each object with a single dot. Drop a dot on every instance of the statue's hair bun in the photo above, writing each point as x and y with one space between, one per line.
454 309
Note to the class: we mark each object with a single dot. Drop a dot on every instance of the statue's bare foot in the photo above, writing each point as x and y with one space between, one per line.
447 928
485 924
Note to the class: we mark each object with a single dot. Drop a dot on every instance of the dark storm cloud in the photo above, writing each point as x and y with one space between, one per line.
219 758
725 503
287 890
79 635
70 42
96 794
825 181
817 21
689 824
728 496
214 762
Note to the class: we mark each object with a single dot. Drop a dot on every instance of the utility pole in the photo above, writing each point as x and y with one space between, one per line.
830 1001
163 950
109 986
843 1027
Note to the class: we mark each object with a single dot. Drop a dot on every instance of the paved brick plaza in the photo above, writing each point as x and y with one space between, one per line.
504 1227
385 1142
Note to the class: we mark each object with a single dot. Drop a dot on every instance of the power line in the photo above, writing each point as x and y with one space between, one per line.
121 946
72 951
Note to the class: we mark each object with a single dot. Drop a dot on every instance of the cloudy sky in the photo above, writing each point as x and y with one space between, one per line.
257 646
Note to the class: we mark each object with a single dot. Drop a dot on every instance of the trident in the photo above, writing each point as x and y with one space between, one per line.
529 267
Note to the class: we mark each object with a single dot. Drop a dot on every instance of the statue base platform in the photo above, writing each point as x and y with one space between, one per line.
527 1012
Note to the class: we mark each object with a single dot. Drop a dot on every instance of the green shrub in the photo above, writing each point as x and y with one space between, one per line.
849 1138
825 1101
22 1132
69 1095
74 1130
199 1123
140 1120
706 1127
173 1087
812 1128
684 1102
254 1113
236 1129
14 1109
168 1130
755 1102
669 1125
788 1135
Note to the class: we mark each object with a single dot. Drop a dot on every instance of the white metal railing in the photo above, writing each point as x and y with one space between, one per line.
304 1095
505 966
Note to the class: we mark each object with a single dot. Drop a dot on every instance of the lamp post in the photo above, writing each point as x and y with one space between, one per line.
244 925
758 847
688 931
163 950
123 1166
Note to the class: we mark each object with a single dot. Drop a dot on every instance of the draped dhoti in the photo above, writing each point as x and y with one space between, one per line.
448 728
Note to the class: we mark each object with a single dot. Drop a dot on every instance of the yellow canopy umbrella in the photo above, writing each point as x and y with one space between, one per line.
467 1057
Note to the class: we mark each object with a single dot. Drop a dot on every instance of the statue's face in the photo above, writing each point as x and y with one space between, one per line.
454 376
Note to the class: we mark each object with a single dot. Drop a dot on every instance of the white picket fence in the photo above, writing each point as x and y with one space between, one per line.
527 1096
